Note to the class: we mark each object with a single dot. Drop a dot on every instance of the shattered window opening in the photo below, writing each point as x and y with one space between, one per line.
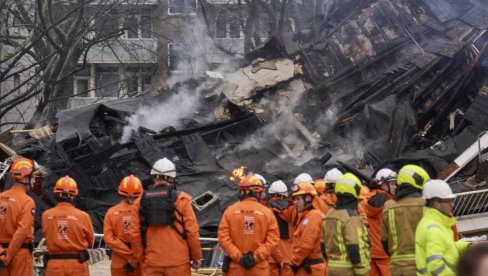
182 7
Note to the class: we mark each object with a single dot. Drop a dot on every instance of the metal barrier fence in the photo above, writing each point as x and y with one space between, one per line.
471 203
212 253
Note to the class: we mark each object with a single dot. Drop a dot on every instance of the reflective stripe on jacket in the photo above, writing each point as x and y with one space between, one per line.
399 221
436 251
343 228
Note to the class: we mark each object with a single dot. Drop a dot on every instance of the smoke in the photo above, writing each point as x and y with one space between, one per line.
168 113
193 60
191 63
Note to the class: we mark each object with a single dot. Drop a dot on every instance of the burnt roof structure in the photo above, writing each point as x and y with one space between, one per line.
375 83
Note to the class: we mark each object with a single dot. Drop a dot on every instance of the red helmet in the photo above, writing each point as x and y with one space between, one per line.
130 186
251 183
23 167
66 185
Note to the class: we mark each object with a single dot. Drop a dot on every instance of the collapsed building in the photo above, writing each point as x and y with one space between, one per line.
377 83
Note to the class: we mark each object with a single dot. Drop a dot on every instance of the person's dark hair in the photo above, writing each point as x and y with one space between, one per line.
471 259
430 202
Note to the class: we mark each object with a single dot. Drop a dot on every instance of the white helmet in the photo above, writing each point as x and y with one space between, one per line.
437 188
278 187
332 175
385 174
260 177
164 167
303 177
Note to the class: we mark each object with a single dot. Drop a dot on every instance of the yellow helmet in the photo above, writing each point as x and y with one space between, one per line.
348 184
412 175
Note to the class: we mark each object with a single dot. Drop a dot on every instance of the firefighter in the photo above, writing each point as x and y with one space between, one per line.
68 232
330 179
436 252
345 236
385 184
307 256
278 202
327 198
399 220
17 211
248 231
116 226
165 234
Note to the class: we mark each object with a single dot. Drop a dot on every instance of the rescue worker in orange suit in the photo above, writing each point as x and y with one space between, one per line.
307 256
17 211
385 183
345 237
164 233
278 202
400 218
248 231
116 228
324 194
68 232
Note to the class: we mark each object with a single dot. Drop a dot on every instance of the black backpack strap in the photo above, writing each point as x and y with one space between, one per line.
180 222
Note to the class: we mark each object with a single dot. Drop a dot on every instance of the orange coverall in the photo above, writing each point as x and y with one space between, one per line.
284 250
247 226
116 226
329 201
306 242
166 252
16 228
67 230
380 261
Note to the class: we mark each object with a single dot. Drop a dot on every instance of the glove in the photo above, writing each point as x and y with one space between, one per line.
378 200
128 268
294 269
226 264
247 260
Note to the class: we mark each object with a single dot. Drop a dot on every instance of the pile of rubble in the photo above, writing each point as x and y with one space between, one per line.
378 83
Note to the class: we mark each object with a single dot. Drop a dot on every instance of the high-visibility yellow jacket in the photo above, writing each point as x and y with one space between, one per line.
343 234
436 252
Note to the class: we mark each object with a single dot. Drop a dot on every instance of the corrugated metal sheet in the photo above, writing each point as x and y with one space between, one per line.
477 113
442 9
477 17
442 47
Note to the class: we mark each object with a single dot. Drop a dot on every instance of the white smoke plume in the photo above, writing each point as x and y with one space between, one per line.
184 103
168 113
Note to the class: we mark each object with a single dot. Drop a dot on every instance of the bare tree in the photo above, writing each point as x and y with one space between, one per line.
44 40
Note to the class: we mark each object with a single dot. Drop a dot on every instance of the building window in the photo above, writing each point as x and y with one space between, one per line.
227 29
108 25
182 7
108 82
138 79
178 53
81 87
139 26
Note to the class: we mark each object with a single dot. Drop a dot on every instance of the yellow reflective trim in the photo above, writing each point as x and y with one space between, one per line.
340 241
339 264
393 230
362 248
361 271
408 257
